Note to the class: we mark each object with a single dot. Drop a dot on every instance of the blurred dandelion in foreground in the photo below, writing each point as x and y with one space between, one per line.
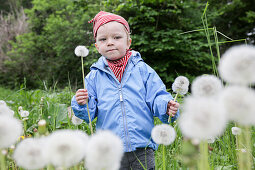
104 151
76 121
2 102
5 110
238 102
236 130
31 154
66 147
206 86
163 134
198 118
237 65
10 130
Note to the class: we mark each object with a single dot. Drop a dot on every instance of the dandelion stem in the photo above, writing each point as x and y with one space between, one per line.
203 161
164 157
83 77
49 167
244 149
25 126
175 98
2 161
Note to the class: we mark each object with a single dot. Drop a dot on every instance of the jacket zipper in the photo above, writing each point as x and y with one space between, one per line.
122 107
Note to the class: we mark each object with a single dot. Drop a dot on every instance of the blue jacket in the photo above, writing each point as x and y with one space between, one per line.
127 108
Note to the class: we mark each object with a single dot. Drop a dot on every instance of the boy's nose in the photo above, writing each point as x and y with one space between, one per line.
109 42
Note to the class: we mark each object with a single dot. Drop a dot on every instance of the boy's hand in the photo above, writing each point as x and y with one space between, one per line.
81 96
172 108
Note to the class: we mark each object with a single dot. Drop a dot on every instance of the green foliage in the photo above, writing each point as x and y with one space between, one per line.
45 56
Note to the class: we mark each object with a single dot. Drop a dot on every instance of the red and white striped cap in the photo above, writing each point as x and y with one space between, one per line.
104 17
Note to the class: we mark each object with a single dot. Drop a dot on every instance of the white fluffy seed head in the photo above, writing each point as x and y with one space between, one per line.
2 102
5 110
199 117
206 86
104 151
24 113
239 104
42 122
181 85
76 121
237 65
236 130
10 130
163 134
81 51
30 153
211 140
66 147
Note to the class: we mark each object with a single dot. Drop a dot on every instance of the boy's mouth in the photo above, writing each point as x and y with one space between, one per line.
111 50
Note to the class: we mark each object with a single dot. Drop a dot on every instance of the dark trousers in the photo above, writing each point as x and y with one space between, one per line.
133 160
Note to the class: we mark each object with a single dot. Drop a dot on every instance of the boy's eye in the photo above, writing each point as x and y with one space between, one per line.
102 39
117 37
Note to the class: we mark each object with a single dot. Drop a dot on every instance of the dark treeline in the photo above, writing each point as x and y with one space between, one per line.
42 54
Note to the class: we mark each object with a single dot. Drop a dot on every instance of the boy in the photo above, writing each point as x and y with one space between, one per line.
123 92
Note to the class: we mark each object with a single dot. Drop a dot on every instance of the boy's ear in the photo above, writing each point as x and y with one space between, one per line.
129 42
96 46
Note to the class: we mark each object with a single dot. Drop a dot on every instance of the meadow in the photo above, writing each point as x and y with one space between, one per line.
181 154
213 141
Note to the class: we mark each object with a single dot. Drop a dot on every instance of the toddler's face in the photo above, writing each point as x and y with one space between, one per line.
112 40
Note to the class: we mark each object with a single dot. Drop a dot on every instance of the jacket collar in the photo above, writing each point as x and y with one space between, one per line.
103 65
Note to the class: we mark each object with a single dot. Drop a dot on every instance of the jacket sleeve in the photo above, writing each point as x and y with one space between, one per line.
156 95
81 110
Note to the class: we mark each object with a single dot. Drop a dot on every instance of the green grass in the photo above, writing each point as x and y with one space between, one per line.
221 156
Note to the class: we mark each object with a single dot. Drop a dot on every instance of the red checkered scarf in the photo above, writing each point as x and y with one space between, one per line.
118 66
104 17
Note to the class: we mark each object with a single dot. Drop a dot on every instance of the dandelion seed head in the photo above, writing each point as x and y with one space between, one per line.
10 130
81 51
237 65
12 147
76 121
66 148
181 85
238 102
42 122
20 109
236 130
163 134
31 153
211 140
199 116
2 102
106 147
24 113
5 110
4 152
206 86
